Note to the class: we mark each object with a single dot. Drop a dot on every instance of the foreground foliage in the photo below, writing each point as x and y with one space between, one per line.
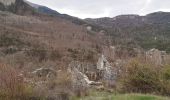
140 77
110 96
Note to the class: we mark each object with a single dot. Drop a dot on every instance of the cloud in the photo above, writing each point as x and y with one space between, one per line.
156 5
105 8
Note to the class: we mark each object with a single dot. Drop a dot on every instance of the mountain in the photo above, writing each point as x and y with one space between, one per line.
57 55
132 20
150 31
24 7
49 11
75 20
159 17
17 7
38 37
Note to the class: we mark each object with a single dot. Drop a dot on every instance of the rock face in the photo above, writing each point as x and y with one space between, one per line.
80 82
156 57
90 70
7 2
103 65
80 79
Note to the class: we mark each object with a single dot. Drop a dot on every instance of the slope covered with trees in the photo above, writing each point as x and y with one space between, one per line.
150 31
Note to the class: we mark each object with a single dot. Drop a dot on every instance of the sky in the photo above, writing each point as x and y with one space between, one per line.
105 8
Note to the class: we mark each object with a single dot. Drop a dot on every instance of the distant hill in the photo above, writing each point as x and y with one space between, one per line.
51 12
150 31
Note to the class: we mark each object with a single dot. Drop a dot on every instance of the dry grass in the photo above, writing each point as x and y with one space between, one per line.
12 84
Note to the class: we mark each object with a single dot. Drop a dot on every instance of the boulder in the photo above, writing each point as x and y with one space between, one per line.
45 72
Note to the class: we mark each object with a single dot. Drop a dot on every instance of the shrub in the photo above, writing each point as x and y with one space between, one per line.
55 55
141 78
40 54
7 40
61 85
62 81
165 77
166 72
9 50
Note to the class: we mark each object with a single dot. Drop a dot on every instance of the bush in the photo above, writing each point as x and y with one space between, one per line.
61 85
40 54
141 78
7 40
55 55
165 77
166 73
62 81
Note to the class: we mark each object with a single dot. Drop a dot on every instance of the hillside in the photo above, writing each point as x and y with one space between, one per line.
49 34
150 31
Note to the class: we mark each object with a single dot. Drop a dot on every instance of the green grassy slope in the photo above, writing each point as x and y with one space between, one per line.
108 96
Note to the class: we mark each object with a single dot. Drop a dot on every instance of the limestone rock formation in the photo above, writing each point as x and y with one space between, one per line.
80 79
104 66
89 69
156 57
102 63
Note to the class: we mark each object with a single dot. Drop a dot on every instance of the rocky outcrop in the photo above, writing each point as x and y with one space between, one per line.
81 80
108 72
156 57
89 69
45 72
78 78
102 63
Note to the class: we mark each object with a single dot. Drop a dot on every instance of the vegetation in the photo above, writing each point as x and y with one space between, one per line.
31 42
144 78
110 96
7 40
12 86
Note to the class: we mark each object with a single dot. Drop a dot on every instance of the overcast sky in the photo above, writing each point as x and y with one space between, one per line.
105 8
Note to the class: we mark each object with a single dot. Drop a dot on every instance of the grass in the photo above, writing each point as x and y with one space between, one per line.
137 97
109 96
